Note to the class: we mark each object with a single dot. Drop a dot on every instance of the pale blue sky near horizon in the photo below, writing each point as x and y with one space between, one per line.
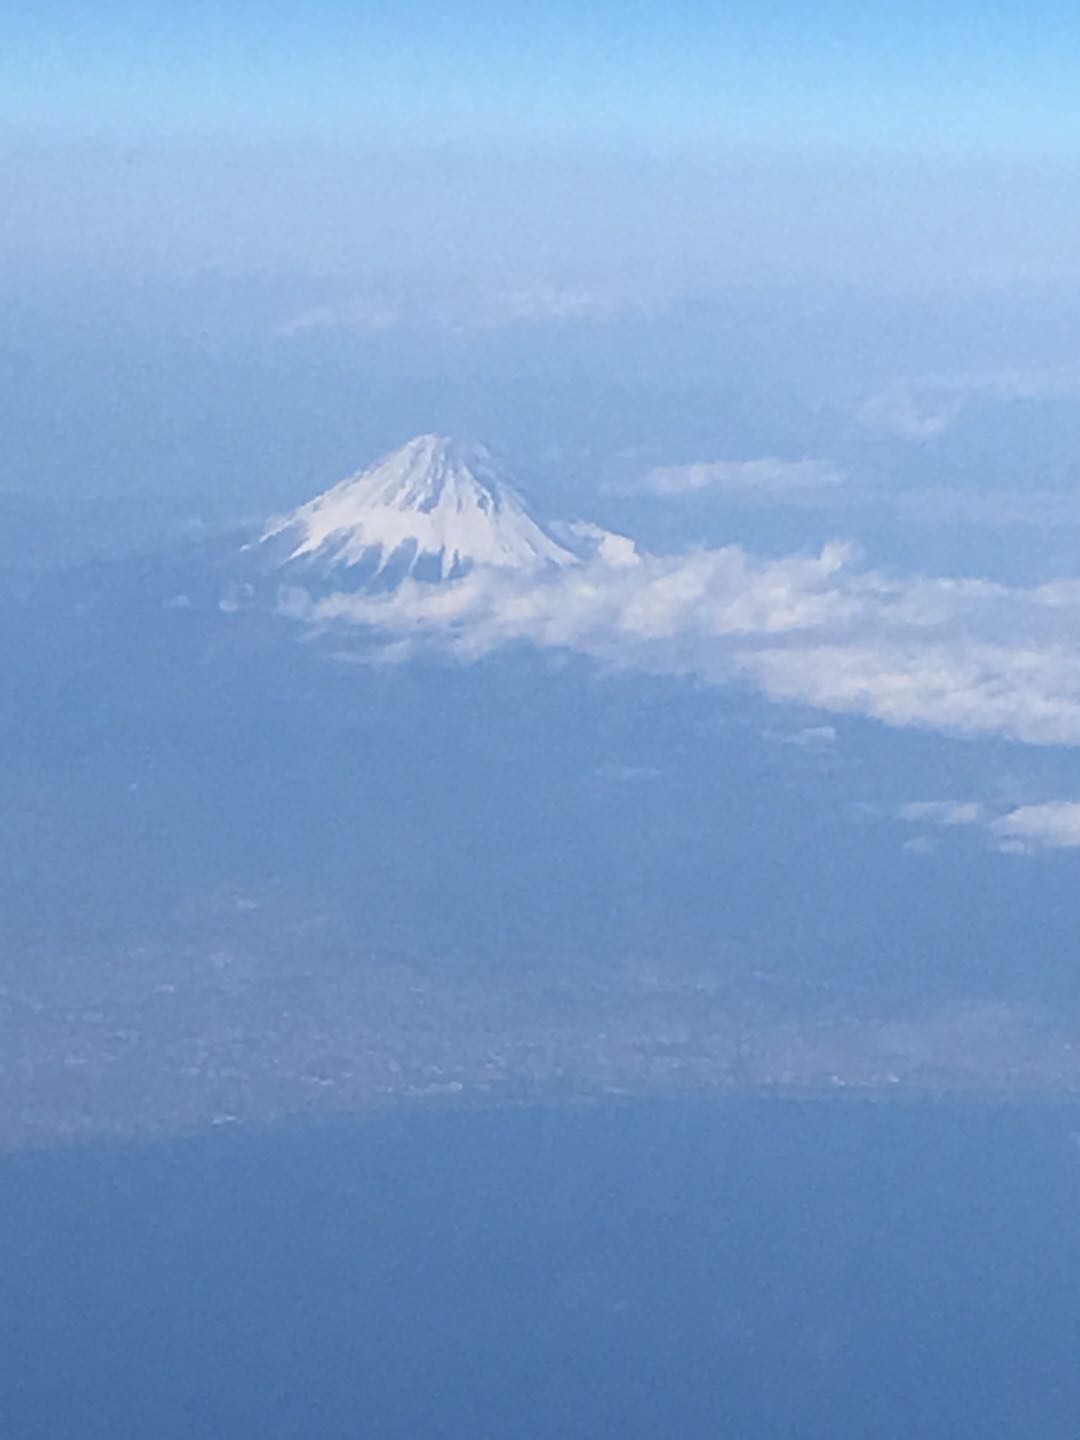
642 147
955 77
630 149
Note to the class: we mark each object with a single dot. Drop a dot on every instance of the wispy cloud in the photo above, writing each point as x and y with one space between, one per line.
943 812
747 478
993 509
925 408
472 309
812 737
1021 830
906 413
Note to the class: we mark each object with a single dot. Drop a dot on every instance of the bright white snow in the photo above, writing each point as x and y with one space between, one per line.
435 499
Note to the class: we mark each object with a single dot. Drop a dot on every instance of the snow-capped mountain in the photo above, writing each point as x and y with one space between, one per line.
435 509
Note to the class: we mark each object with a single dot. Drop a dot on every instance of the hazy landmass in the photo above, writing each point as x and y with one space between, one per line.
408 795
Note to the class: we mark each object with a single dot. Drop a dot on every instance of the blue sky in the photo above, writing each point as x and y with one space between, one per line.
953 77
657 146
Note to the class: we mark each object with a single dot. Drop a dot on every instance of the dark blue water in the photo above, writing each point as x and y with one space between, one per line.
747 1270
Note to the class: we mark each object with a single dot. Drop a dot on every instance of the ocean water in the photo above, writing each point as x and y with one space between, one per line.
738 1271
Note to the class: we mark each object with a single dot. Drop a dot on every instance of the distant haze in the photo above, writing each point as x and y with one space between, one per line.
625 226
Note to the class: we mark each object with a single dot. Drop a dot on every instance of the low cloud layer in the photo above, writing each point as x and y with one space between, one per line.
967 657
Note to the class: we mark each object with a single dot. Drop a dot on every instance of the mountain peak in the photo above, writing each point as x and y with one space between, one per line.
436 508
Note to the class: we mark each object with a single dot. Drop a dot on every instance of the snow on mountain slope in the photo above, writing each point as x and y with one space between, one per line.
435 509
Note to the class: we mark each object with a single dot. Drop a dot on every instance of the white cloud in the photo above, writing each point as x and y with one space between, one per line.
1019 692
615 550
747 478
964 656
812 737
921 845
663 612
1023 830
943 812
1054 825
468 310
907 414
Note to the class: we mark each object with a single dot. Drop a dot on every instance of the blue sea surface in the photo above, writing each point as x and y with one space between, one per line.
739 1271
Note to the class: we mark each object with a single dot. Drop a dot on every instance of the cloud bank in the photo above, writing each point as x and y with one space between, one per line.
967 657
